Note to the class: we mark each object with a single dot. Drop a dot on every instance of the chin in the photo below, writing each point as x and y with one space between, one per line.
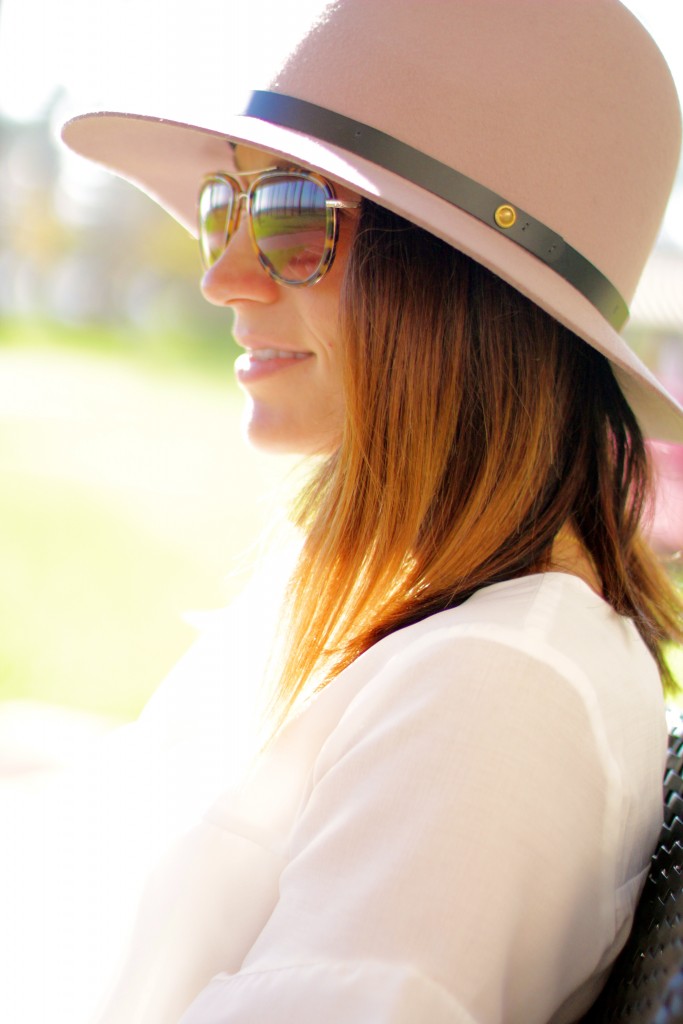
280 434
277 438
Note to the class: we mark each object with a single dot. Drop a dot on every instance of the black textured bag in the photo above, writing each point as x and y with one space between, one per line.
645 985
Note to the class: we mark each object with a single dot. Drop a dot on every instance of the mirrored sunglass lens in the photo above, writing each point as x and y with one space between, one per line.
292 226
215 214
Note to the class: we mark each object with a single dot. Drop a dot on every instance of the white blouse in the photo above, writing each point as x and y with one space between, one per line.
456 830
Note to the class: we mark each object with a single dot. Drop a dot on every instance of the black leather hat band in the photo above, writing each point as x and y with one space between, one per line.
487 206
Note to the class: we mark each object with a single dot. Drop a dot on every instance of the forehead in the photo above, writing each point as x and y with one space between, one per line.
248 158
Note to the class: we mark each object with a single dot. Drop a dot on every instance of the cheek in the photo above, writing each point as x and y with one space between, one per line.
321 304
332 285
320 312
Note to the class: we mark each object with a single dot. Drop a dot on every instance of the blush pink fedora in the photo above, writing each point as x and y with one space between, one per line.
540 137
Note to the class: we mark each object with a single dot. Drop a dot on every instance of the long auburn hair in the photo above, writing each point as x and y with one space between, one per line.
476 428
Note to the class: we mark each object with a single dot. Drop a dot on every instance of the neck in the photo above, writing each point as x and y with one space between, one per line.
569 555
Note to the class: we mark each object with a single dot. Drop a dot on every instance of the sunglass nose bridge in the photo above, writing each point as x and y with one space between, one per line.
241 202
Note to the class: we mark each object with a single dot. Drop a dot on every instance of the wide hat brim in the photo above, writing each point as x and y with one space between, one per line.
169 159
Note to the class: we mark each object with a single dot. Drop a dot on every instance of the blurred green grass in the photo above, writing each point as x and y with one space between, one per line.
127 497
675 662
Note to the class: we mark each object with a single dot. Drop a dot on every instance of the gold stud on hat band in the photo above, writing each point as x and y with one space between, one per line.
450 185
505 216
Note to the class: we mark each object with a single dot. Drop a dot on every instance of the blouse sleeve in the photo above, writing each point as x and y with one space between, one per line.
459 856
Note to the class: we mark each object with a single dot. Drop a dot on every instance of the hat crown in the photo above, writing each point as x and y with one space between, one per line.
567 109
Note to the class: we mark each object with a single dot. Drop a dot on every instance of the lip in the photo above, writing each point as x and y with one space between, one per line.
257 363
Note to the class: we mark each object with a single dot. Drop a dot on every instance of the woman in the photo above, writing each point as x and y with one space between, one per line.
428 229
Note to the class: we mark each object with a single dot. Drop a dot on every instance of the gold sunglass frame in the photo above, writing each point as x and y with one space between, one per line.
242 199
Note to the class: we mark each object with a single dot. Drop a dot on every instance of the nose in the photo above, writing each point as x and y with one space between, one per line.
238 276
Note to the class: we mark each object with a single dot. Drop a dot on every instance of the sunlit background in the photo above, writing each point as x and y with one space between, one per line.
127 497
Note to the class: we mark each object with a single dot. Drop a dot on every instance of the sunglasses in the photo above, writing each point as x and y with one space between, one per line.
293 221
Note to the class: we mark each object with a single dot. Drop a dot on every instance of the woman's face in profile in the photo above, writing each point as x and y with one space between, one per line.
290 370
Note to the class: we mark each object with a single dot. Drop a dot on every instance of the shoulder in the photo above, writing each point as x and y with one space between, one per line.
544 627
540 667
551 616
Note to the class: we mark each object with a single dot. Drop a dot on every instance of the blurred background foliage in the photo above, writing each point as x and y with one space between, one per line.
127 496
